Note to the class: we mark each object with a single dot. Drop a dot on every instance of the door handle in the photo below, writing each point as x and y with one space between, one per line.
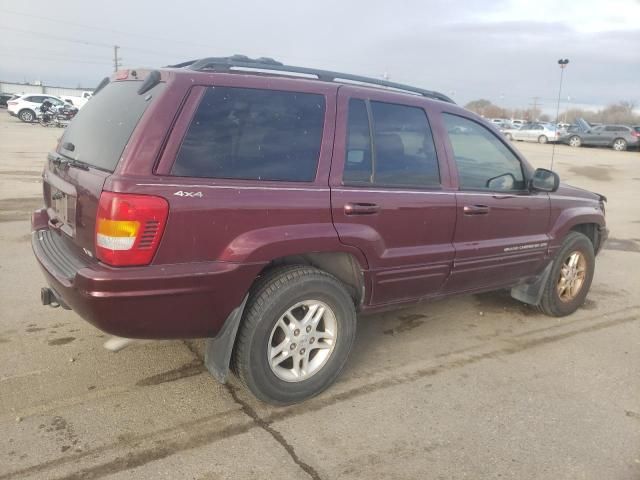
361 209
476 209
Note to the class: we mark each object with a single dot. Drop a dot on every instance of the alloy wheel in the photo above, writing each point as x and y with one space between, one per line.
302 341
572 276
619 145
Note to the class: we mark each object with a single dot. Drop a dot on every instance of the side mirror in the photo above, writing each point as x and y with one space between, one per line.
544 180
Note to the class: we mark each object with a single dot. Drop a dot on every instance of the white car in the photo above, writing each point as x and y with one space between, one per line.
27 106
533 132
78 101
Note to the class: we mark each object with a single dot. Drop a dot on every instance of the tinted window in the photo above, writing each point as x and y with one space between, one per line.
357 167
404 152
253 134
100 130
483 161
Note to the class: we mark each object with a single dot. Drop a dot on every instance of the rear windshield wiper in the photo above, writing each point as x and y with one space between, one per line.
62 160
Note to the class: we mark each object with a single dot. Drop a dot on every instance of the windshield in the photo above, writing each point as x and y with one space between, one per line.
98 134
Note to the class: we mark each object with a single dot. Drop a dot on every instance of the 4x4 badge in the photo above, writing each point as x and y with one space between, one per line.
180 193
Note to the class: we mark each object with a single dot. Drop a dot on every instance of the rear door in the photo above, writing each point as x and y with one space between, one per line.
390 193
501 231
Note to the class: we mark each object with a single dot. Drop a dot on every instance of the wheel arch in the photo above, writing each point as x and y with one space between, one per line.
346 267
586 220
342 265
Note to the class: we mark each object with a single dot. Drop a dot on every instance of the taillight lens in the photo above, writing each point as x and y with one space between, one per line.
12 103
129 228
635 133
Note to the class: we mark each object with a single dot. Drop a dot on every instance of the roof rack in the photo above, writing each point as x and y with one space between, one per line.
225 64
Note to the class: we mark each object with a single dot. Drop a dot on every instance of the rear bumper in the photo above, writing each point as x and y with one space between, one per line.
157 301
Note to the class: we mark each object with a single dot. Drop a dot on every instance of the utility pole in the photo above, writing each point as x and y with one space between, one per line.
534 106
116 59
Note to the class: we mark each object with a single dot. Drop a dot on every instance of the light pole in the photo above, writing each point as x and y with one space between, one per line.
563 62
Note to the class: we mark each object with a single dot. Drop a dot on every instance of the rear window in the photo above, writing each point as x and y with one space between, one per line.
102 128
253 134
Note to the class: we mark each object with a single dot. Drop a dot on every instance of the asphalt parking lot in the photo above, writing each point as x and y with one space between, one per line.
475 387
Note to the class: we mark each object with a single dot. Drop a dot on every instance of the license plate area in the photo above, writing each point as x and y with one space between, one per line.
63 211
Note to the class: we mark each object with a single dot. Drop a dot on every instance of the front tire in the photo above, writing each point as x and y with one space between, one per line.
543 139
570 277
575 141
296 334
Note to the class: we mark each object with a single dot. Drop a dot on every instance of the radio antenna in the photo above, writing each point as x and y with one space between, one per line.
563 63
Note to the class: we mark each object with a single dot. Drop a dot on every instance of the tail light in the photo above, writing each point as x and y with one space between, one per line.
635 133
12 103
129 228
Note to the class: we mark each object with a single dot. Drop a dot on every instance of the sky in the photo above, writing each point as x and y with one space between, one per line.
502 50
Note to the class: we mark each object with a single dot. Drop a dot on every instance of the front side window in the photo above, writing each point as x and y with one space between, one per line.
483 161
401 152
253 134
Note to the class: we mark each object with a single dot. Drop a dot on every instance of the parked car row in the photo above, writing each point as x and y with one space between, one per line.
28 107
618 137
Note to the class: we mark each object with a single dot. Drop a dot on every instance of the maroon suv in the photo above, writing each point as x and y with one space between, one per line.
242 201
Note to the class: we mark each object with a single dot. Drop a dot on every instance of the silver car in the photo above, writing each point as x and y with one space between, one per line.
534 132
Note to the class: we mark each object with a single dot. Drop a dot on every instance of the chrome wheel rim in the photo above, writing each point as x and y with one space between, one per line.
302 341
27 117
543 139
619 145
574 141
572 276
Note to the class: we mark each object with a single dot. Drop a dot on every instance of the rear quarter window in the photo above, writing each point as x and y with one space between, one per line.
253 134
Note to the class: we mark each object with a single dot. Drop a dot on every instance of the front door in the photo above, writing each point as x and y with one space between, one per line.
387 194
501 232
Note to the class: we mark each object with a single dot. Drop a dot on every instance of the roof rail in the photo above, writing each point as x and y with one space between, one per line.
225 64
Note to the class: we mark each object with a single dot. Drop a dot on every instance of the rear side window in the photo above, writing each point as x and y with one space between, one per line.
253 134
403 149
100 131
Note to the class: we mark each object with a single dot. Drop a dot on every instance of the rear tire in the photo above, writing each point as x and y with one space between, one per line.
296 334
543 139
570 278
619 145
26 115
